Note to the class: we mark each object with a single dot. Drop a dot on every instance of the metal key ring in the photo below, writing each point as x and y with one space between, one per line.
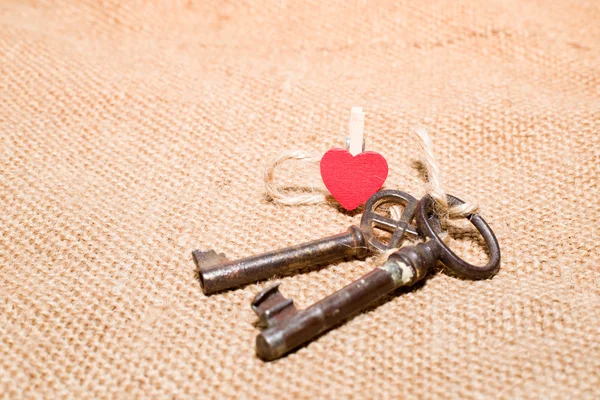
429 226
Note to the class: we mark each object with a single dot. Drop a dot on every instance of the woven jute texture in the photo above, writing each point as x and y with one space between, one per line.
133 133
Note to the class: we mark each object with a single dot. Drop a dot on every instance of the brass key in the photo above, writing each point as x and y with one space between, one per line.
217 273
287 328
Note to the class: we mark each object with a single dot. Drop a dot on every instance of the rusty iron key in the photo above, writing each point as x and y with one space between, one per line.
286 328
217 273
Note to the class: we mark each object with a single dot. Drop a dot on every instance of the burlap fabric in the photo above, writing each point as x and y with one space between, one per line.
133 133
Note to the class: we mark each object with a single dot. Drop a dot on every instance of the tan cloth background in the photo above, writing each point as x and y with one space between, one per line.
133 133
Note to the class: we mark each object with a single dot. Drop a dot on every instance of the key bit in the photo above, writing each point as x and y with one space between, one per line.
208 259
271 307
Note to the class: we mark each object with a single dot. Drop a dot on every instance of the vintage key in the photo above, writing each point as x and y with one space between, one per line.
287 328
217 273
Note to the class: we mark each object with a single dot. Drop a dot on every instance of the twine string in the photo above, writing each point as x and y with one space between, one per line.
277 195
434 185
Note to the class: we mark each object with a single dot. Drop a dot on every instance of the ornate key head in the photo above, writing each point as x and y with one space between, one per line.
398 228
430 228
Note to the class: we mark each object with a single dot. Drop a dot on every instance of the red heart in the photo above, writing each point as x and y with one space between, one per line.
351 180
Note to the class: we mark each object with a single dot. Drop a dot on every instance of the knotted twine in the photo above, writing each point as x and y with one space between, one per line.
433 187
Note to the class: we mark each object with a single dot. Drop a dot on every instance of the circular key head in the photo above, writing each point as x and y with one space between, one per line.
398 228
430 227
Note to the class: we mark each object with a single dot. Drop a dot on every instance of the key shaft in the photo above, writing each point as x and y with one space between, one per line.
221 274
403 268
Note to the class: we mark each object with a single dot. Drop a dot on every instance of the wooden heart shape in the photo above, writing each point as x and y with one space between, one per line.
351 180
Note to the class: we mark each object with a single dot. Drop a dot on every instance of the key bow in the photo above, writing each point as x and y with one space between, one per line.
398 228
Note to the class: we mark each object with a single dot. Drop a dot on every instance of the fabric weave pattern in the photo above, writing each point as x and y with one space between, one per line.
132 133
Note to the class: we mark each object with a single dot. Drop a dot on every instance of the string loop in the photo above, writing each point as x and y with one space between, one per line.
316 196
